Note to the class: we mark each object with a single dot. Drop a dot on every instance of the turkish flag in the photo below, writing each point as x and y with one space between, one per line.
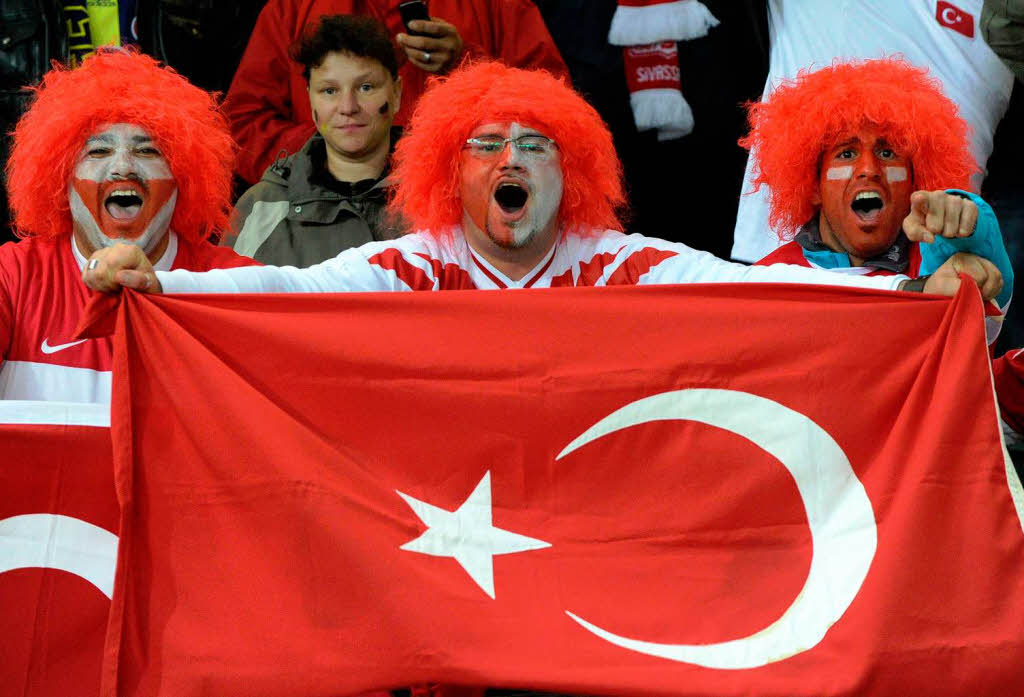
951 16
726 490
58 544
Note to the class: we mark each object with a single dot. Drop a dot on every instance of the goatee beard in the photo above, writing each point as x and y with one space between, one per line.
516 241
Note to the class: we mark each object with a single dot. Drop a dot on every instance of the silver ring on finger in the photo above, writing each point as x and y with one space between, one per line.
426 56
93 263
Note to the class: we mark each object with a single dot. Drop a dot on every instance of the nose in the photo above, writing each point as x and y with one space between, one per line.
510 157
122 165
348 102
868 166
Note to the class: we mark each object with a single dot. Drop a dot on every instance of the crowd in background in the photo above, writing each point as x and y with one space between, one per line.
684 189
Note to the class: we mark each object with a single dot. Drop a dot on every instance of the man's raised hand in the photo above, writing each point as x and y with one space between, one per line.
939 213
120 266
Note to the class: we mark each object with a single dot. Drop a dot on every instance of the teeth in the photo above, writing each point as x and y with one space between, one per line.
123 192
866 194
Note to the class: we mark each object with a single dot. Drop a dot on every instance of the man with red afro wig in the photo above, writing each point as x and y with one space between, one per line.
858 152
118 150
512 181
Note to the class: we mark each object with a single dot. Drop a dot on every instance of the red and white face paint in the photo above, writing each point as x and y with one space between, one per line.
510 197
864 190
122 190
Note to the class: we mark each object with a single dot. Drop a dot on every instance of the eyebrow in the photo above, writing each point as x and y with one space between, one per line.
107 139
852 141
368 76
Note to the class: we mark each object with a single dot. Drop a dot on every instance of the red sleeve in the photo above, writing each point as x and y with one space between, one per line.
8 273
521 39
258 104
1008 372
789 253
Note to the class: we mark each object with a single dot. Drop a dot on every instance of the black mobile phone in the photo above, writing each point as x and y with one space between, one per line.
414 9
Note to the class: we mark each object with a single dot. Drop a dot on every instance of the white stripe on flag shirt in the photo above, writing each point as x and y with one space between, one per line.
422 261
41 361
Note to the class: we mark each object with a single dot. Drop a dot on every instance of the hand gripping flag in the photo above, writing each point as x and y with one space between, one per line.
703 490
58 544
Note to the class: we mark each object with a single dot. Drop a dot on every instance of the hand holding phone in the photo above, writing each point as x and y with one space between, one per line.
435 48
413 9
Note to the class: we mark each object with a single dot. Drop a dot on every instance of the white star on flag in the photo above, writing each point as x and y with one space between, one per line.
467 535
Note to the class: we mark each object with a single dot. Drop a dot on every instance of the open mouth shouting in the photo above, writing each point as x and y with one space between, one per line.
124 202
868 205
511 197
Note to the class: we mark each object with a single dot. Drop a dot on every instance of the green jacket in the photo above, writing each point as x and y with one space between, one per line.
289 219
1002 26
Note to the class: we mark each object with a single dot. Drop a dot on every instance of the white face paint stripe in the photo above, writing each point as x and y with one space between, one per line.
839 173
896 174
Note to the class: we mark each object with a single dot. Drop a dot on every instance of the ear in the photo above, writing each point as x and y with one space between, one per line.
398 95
816 194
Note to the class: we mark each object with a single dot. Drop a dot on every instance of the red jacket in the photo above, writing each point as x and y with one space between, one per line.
268 106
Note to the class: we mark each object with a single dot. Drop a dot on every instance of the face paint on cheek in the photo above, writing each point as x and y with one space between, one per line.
474 191
475 202
896 174
839 173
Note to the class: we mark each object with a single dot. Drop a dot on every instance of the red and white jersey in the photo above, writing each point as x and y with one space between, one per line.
423 261
41 300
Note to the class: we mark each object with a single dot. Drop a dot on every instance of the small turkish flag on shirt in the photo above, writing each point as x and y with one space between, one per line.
726 490
949 15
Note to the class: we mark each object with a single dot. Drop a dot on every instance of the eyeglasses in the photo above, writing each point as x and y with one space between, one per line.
535 146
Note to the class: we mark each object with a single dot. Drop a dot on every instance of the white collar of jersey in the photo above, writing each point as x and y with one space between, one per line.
163 264
500 280
850 270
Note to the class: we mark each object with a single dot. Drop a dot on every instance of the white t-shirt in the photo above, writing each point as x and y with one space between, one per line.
811 34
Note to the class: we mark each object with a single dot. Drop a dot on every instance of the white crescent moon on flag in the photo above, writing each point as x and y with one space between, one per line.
950 16
44 540
839 513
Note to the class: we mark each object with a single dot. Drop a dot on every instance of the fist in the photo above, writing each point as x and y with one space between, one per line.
937 213
120 266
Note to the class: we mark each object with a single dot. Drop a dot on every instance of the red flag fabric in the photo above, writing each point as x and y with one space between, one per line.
58 543
702 490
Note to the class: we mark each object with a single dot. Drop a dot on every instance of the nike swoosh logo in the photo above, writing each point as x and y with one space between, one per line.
59 347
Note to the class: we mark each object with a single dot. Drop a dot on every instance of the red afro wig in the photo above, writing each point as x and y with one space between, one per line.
818 110
118 86
427 158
